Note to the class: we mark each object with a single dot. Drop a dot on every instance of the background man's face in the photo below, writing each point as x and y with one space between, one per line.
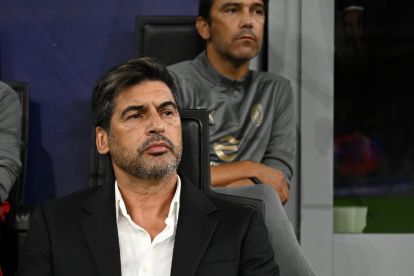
145 137
236 29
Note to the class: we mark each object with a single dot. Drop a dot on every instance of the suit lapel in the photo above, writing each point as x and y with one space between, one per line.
101 231
194 230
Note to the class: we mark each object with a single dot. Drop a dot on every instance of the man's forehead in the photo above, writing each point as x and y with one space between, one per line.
146 91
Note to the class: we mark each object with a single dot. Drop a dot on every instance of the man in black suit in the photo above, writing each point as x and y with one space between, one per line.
151 221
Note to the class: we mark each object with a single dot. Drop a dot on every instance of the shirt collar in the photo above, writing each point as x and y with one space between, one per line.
120 208
201 61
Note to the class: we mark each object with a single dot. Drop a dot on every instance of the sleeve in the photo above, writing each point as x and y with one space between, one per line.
257 256
281 149
36 257
10 139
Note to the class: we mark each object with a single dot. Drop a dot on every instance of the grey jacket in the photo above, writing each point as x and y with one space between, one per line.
10 138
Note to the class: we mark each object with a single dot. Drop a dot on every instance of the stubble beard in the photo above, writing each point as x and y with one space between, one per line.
224 47
234 55
155 167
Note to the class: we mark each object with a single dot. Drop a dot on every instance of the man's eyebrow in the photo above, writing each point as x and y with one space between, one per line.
225 5
168 103
132 108
238 4
142 107
261 5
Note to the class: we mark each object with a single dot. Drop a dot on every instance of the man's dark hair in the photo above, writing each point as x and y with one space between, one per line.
204 9
121 77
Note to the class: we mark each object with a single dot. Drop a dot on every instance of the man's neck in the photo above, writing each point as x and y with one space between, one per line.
148 201
226 67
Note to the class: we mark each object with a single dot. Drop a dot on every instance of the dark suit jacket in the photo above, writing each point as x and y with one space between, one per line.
77 235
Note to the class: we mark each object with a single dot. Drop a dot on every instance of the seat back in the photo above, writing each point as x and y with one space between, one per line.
170 39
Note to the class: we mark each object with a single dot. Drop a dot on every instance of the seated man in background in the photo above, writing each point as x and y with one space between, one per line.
252 126
151 220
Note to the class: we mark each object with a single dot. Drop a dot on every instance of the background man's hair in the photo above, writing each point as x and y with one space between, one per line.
204 9
123 76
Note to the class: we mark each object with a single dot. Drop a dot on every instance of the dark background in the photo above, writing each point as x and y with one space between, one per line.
60 47
374 116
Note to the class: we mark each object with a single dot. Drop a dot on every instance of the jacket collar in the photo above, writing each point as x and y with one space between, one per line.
101 231
194 229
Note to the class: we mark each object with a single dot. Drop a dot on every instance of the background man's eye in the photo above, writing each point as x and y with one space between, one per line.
260 12
232 10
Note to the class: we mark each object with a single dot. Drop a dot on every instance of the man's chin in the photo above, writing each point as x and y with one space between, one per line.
159 170
160 161
244 55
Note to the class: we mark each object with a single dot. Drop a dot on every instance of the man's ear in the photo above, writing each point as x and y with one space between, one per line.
203 27
101 140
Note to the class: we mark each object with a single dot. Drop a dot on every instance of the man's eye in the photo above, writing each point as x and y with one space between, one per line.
168 112
259 11
231 10
135 116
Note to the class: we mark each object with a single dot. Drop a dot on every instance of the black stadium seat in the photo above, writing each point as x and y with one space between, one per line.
168 38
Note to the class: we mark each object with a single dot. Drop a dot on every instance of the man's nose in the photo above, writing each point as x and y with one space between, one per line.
155 124
247 19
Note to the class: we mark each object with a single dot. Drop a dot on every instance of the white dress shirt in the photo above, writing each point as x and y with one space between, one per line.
139 255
